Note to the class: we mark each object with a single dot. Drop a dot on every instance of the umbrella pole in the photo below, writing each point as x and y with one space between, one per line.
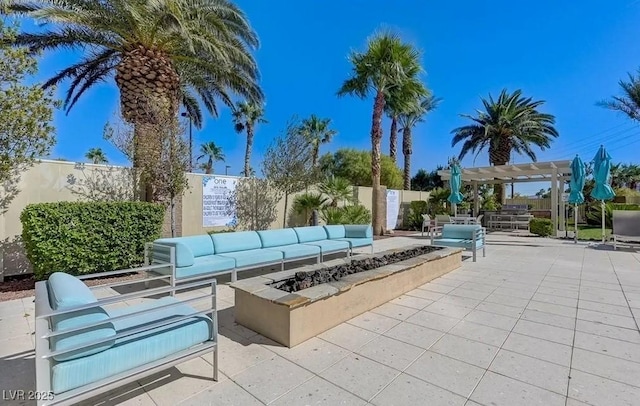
575 224
602 206
455 210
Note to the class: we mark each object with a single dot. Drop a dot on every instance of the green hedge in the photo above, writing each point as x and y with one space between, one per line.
541 227
416 209
88 237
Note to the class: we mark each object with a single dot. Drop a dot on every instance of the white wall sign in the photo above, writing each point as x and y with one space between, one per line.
393 208
217 209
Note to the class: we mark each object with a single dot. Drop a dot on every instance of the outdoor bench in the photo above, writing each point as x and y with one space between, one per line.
469 237
85 346
196 257
626 226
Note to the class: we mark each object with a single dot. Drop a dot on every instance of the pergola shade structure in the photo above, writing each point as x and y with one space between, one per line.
556 172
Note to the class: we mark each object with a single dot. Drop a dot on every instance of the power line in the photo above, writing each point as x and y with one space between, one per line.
595 142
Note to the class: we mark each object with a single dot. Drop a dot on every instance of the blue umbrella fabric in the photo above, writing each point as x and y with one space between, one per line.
454 184
576 185
602 176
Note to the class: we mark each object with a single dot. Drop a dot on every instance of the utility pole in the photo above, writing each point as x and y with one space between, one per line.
226 169
186 114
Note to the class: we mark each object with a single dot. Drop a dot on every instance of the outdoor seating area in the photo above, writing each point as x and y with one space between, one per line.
196 257
509 329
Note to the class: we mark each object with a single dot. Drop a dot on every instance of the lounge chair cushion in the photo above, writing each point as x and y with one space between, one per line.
66 291
330 245
310 234
254 257
137 349
298 250
277 238
459 231
358 231
358 242
237 241
184 255
205 265
335 231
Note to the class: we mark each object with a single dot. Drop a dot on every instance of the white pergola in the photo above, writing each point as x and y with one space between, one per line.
556 172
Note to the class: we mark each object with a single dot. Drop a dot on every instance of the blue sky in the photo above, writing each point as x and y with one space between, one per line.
570 54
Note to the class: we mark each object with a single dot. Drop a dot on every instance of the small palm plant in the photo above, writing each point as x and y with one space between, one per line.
306 203
96 156
212 153
338 190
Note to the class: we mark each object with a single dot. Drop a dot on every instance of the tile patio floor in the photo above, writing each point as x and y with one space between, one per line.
536 322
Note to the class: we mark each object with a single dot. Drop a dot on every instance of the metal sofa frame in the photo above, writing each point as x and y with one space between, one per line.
44 356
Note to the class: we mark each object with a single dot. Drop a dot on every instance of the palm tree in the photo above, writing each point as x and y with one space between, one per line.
408 119
164 53
96 156
512 123
384 66
338 190
318 131
246 116
212 153
306 203
401 99
629 102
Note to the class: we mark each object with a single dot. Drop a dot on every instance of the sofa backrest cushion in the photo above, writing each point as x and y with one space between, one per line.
358 231
277 238
310 234
184 255
459 230
200 245
335 231
236 241
65 292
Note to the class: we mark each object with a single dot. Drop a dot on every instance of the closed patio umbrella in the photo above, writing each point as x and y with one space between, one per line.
602 176
454 184
576 185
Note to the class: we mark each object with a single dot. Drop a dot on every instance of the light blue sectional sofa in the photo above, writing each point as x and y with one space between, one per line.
201 256
86 346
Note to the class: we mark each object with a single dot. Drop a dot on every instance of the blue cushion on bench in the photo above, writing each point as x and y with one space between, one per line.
254 257
309 234
298 250
276 238
335 231
330 245
205 265
135 350
459 230
358 231
236 241
66 291
200 245
358 242
184 255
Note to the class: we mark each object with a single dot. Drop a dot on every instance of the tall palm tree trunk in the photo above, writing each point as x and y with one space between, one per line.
407 151
378 203
247 154
316 154
393 138
500 155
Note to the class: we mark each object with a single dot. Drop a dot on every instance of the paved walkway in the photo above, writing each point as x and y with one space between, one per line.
536 322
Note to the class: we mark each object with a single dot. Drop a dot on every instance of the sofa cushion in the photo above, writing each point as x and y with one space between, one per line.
275 238
358 242
358 231
335 231
65 292
135 350
330 245
456 243
459 230
205 265
236 241
298 250
200 245
184 255
309 234
254 257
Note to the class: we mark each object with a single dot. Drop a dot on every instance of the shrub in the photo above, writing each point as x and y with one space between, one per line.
541 227
356 214
88 237
594 212
416 209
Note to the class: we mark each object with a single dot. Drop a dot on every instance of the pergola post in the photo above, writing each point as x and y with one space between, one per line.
475 199
554 199
562 204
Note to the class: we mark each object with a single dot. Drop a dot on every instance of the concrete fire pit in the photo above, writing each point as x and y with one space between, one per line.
292 318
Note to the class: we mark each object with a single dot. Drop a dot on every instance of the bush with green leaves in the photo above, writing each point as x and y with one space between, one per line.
541 227
354 214
416 209
88 237
594 212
